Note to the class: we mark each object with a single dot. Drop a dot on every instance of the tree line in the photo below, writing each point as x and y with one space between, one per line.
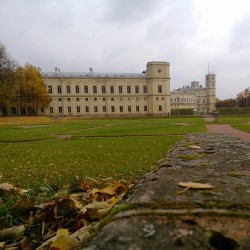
22 89
242 100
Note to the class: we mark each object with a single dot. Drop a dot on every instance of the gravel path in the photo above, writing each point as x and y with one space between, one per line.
227 129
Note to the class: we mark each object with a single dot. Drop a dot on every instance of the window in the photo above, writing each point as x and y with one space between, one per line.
59 99
77 99
69 109
112 89
68 89
86 89
68 99
77 89
87 109
86 99
50 89
137 99
112 99
145 89
159 89
162 98
95 99
94 89
129 108
120 89
128 89
103 89
160 107
120 99
104 99
51 110
59 89
104 109
112 108
157 98
95 109
145 108
137 89
60 109
121 109
42 110
137 108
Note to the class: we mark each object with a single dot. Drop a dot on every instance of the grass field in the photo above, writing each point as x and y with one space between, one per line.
38 152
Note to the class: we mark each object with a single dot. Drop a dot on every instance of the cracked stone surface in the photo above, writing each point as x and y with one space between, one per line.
153 215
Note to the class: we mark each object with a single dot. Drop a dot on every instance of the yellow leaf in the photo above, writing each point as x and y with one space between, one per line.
62 232
63 243
193 185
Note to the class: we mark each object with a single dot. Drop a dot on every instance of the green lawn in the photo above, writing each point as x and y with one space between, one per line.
98 148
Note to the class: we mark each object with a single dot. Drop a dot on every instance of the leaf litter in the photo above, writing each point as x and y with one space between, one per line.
47 220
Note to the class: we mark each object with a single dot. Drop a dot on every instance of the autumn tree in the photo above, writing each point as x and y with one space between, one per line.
32 90
7 81
227 103
243 98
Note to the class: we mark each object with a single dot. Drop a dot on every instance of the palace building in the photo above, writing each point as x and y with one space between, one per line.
125 94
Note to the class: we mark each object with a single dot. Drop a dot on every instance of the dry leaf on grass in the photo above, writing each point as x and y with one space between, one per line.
9 187
24 203
194 185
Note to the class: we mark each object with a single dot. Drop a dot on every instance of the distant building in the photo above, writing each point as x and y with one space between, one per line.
195 96
124 94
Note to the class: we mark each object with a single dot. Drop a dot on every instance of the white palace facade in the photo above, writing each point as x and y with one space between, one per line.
125 94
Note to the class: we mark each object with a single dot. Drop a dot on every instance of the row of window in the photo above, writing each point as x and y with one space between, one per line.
104 109
86 99
86 89
188 100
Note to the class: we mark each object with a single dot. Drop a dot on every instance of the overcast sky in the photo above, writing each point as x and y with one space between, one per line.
123 35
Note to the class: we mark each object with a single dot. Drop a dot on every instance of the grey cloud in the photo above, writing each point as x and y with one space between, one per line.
240 35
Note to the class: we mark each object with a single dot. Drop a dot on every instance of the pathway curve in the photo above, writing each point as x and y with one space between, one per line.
227 129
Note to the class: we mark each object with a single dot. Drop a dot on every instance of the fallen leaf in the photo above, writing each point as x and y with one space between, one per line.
96 210
62 232
9 187
13 233
24 203
193 185
194 146
2 244
63 243
77 203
